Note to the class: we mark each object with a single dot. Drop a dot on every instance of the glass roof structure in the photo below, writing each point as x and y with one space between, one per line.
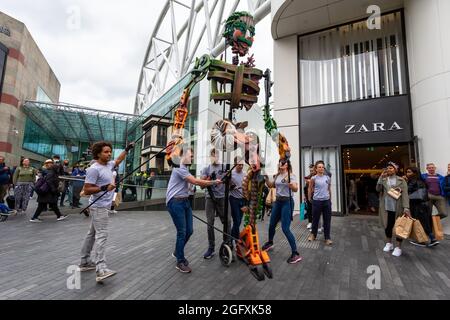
66 122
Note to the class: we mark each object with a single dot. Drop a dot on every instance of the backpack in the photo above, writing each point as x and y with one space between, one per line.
41 187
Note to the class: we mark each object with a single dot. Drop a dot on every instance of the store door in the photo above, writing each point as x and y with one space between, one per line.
331 157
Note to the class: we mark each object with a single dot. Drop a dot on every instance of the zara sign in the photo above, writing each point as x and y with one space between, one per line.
373 121
373 127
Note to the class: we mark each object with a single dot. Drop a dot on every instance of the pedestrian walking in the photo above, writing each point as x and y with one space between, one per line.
64 184
319 194
5 179
78 173
23 180
285 183
47 191
390 207
435 183
177 201
447 184
312 173
98 180
418 204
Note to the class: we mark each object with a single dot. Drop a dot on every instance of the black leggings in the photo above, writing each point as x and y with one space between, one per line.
42 206
390 225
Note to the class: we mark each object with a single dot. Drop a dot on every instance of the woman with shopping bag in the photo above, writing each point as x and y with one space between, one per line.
418 204
394 203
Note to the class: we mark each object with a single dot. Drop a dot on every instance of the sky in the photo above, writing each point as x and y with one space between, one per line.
96 48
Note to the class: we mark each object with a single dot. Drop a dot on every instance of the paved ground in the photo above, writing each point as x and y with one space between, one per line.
34 259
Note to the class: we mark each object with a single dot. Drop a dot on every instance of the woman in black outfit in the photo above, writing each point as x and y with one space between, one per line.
418 204
51 196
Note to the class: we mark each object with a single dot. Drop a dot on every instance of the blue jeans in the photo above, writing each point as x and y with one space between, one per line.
282 210
236 213
319 208
181 213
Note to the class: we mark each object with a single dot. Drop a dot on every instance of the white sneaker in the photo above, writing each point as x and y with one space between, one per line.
35 221
309 226
61 218
397 252
388 247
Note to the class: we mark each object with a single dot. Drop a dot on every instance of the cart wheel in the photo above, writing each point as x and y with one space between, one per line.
268 270
257 272
225 254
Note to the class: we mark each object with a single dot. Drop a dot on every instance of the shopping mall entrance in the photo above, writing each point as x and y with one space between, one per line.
362 166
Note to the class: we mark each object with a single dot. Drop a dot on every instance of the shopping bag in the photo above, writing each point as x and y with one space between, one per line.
117 199
438 231
418 233
302 211
403 227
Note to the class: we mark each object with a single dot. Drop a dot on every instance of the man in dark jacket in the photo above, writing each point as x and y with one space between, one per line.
5 178
50 195
447 184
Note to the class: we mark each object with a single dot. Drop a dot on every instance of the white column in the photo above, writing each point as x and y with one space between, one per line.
286 99
428 41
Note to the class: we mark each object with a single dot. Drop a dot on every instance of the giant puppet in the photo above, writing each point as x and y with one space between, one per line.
235 85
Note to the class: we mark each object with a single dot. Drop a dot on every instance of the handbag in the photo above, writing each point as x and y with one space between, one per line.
403 227
418 233
395 193
419 194
438 231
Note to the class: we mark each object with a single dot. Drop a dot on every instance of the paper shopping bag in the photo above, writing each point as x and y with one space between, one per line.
438 231
418 233
403 227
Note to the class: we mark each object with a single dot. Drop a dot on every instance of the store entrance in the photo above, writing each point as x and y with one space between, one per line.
362 167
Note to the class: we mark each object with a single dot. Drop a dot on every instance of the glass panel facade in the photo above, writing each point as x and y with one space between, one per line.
351 62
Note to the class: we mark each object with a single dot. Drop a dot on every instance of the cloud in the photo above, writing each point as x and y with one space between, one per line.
96 48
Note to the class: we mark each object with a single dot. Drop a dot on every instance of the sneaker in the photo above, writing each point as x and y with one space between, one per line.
87 266
267 246
62 218
388 247
309 226
328 242
418 244
397 252
114 211
104 274
183 268
186 262
209 254
320 230
294 258
311 237
35 221
433 243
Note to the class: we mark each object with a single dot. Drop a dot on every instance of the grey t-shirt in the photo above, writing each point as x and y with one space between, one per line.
389 202
219 190
321 187
178 185
282 185
236 180
101 175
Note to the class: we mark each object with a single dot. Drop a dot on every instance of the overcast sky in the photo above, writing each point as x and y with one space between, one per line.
98 57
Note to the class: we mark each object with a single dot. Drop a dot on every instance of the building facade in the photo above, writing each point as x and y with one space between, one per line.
25 75
362 83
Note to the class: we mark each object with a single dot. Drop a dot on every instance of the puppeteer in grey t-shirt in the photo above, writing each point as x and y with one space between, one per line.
101 175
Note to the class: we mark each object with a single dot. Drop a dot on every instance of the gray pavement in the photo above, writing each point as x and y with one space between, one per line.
34 259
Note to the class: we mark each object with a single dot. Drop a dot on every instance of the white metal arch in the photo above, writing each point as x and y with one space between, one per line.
174 44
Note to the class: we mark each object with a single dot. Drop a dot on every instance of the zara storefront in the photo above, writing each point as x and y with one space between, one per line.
358 89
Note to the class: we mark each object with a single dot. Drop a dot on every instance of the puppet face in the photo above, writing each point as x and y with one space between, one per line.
240 32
